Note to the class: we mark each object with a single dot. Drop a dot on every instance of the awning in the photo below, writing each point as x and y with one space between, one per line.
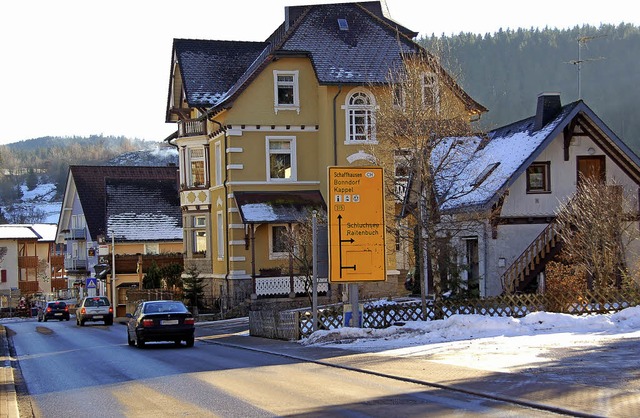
278 207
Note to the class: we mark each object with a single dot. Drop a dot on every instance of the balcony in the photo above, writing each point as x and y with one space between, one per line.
29 261
58 284
75 234
192 127
28 287
75 264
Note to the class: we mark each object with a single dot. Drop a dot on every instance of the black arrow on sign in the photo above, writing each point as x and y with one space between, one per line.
340 241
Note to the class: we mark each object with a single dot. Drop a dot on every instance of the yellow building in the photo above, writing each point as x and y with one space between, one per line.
259 123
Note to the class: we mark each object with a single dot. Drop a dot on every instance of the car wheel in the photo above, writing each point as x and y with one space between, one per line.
139 343
190 341
108 322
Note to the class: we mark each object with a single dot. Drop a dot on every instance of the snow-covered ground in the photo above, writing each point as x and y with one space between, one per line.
41 198
498 344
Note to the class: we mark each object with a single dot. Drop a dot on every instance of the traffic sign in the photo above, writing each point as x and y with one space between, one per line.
90 283
356 224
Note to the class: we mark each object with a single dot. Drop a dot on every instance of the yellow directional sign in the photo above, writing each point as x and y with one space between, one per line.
356 225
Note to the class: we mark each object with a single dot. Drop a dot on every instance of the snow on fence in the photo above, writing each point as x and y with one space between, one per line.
297 323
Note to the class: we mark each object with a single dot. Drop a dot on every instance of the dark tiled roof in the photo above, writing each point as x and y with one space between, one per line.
210 68
362 54
90 183
215 72
277 207
143 209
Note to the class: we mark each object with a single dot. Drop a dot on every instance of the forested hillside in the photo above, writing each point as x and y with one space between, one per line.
29 164
505 71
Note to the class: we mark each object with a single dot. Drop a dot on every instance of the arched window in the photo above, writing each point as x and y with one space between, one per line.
360 117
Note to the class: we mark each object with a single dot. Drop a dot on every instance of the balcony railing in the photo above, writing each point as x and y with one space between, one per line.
59 284
192 127
29 287
76 233
29 261
75 264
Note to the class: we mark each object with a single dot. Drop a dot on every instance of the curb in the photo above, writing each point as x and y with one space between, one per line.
8 397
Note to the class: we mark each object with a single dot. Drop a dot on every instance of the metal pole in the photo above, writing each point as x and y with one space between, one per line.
113 273
315 271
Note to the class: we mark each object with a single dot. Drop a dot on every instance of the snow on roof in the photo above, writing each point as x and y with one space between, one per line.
46 231
18 232
480 168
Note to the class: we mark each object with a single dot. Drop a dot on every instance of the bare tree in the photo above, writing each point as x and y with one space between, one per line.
596 227
299 245
422 132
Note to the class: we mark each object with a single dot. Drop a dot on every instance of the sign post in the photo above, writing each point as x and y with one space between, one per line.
356 229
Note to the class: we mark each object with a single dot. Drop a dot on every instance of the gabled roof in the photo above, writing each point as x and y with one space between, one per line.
90 184
509 150
215 72
143 209
210 68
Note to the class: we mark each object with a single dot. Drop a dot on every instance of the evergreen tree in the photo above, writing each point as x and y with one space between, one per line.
172 275
193 288
153 278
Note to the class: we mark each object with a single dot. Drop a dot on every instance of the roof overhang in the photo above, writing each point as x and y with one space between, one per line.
278 206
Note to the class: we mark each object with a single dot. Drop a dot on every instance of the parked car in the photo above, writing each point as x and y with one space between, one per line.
94 308
54 310
160 320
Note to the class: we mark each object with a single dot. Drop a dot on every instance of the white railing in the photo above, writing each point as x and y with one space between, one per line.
273 286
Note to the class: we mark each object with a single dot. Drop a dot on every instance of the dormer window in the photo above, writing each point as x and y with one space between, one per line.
286 96
342 24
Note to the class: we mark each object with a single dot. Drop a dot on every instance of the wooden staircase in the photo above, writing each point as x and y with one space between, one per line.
531 262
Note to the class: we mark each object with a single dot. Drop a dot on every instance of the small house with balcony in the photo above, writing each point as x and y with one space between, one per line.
130 213
259 123
30 262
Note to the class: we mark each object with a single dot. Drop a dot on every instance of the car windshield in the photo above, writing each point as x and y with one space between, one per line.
164 307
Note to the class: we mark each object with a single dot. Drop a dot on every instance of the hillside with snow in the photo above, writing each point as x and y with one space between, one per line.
42 204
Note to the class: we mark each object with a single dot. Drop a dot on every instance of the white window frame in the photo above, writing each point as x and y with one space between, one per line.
276 255
78 221
190 160
199 226
220 234
355 111
218 158
152 248
277 83
291 152
431 87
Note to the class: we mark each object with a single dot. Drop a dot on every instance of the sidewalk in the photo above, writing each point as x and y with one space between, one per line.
8 399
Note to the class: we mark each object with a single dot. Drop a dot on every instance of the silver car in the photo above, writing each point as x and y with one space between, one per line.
94 308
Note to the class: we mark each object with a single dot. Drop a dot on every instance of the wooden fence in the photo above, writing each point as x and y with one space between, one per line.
298 323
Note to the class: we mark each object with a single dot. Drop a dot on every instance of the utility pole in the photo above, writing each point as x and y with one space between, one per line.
578 63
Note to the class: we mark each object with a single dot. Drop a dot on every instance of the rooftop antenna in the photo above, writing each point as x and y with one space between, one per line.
582 41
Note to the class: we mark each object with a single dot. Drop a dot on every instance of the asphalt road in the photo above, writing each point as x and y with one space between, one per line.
68 370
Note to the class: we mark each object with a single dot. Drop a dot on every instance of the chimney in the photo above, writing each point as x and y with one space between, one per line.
548 108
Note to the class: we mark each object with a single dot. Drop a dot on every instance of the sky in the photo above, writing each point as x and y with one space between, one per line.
497 344
79 68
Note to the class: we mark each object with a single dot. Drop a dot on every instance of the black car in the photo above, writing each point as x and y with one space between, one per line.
54 310
160 320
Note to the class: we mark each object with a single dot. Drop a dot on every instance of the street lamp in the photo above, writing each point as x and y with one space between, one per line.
113 272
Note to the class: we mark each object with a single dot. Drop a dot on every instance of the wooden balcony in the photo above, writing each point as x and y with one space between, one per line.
128 263
58 284
192 127
29 287
57 261
29 261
